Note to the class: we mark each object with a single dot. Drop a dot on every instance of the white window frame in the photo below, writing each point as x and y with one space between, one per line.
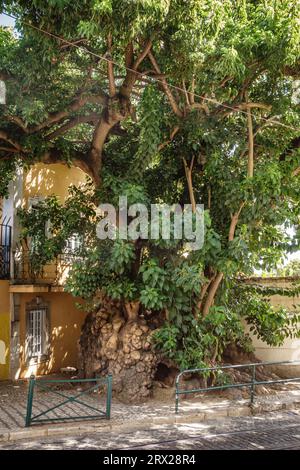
37 332
73 243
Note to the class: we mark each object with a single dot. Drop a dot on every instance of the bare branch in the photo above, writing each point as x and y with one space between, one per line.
188 174
110 68
165 87
142 56
219 277
4 136
211 293
92 118
167 142
201 106
250 105
296 171
192 92
250 144
186 94
77 104
8 149
234 221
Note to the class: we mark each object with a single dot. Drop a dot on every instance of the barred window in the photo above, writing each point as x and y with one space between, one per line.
37 332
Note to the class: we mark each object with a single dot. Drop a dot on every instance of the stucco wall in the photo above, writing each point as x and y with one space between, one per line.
65 326
4 330
44 180
290 350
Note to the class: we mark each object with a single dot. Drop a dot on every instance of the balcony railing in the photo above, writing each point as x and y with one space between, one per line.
27 269
5 250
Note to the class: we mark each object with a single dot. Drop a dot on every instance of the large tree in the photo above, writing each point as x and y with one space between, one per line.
175 101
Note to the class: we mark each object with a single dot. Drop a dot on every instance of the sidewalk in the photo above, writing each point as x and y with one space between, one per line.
13 399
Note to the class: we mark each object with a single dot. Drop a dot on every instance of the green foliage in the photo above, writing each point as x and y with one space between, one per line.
227 53
270 324
150 125
292 268
203 341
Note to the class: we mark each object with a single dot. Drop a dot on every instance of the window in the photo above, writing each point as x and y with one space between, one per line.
73 243
37 331
33 203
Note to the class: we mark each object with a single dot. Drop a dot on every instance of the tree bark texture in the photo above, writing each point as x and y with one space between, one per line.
116 340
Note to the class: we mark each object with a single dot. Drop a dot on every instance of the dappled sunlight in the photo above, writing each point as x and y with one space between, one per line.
65 322
4 352
55 178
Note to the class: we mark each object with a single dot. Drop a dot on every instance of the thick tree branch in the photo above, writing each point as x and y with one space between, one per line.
234 220
211 293
201 106
5 75
249 105
92 118
19 122
59 116
77 104
188 174
129 55
8 149
165 87
250 144
192 92
4 136
219 277
81 160
241 107
143 54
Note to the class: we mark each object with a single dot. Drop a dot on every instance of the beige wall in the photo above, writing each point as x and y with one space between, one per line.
45 180
65 327
290 350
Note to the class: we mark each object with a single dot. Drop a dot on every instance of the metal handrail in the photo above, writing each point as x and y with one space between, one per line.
251 384
27 268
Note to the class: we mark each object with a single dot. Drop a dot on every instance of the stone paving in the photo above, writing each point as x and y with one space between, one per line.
13 399
274 430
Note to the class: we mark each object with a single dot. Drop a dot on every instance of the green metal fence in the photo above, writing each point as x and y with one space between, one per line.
47 385
251 385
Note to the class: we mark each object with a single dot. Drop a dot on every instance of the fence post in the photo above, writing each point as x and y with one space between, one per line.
252 383
108 395
176 396
30 400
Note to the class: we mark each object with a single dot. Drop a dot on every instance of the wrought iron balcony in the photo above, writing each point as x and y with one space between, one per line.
28 270
5 250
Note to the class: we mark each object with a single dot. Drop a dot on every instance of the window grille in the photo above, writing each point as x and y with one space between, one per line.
37 332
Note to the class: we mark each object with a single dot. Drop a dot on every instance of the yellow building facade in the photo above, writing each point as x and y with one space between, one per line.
39 323
4 329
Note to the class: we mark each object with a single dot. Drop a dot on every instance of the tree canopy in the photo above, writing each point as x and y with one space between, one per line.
164 100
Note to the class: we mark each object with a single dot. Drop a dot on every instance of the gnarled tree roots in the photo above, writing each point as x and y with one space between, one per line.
116 340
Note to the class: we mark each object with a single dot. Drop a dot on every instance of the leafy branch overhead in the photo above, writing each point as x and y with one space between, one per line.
163 103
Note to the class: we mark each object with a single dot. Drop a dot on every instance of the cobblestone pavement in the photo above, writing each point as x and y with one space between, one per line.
13 399
275 430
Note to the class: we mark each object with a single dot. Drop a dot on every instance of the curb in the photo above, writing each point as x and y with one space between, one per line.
91 426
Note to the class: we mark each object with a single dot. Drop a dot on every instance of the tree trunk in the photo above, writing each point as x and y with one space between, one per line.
116 340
